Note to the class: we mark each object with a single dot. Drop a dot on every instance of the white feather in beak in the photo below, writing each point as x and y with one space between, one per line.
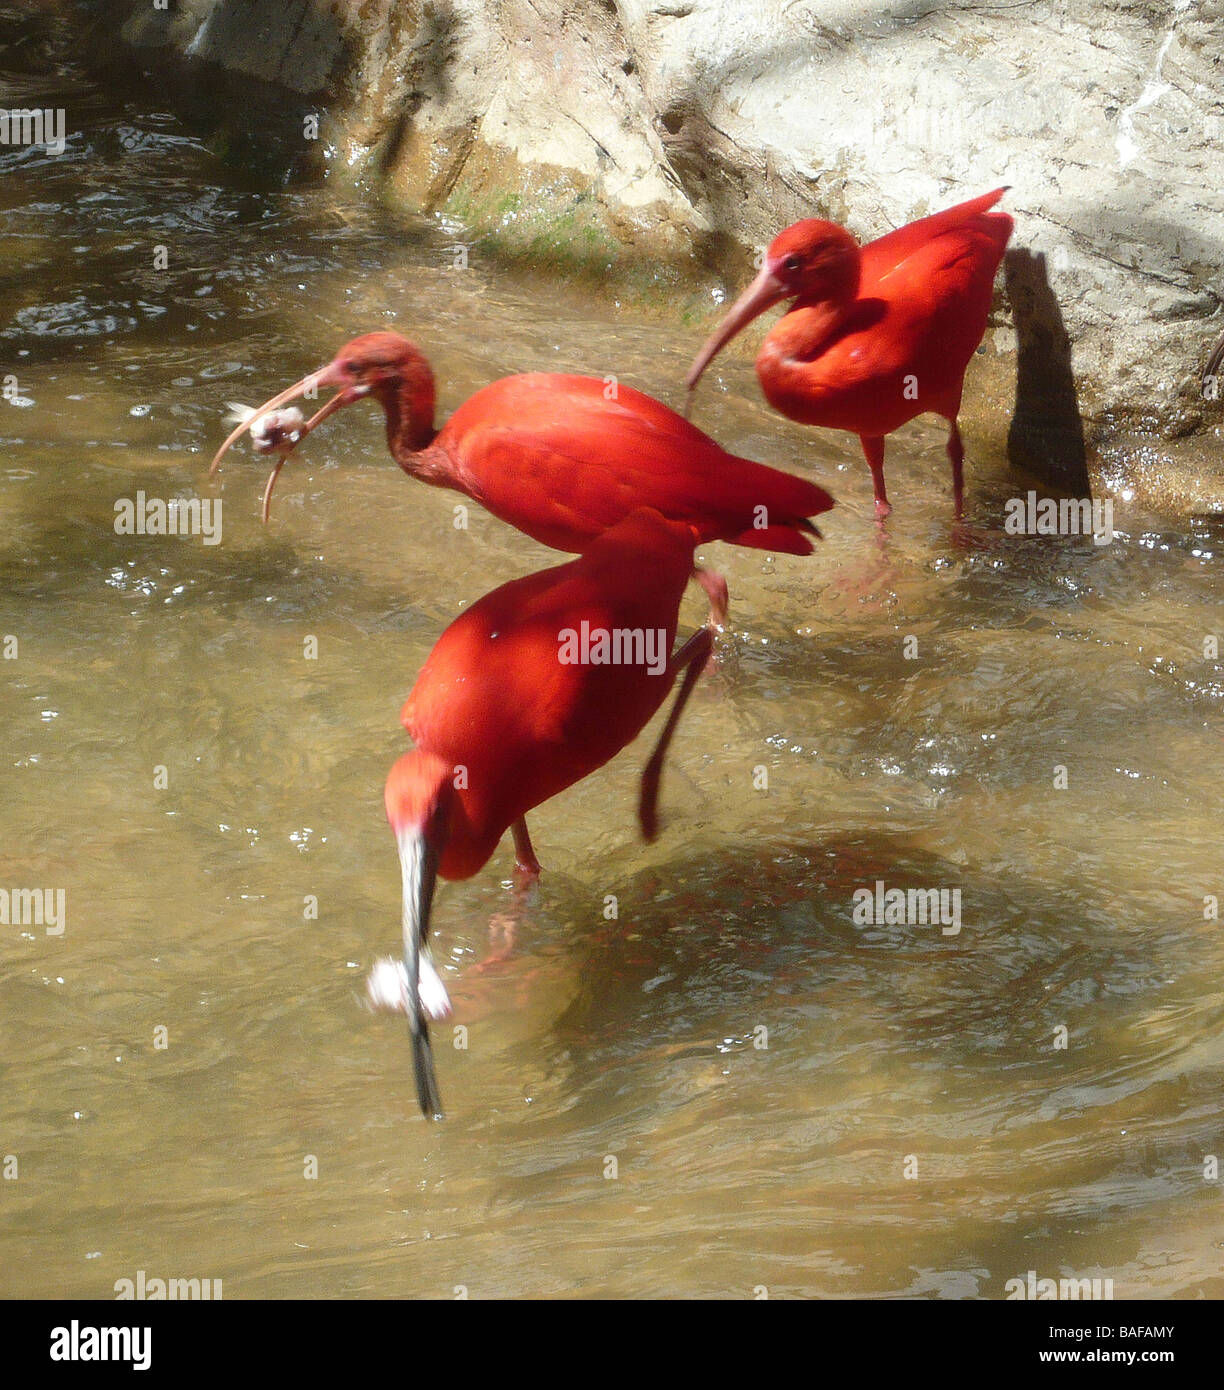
387 987
277 432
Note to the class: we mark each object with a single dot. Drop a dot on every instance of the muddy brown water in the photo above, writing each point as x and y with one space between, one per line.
192 1085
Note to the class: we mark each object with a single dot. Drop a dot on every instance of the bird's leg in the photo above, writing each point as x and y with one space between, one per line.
956 452
501 941
526 865
716 591
873 451
501 924
691 659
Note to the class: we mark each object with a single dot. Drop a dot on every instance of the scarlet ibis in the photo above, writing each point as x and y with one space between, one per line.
506 713
877 334
563 458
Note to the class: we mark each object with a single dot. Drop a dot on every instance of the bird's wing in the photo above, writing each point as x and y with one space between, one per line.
939 297
565 458
920 317
886 252
523 723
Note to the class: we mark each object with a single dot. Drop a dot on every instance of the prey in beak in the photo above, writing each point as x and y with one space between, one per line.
278 432
387 988
275 430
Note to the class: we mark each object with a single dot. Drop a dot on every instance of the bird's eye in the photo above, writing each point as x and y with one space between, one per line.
791 264
352 367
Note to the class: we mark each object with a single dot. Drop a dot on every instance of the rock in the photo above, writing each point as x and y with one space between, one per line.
665 142
296 43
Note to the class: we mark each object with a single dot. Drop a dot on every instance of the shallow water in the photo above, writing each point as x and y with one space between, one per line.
637 1040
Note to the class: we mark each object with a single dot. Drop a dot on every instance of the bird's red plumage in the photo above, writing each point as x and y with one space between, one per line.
902 347
495 700
565 457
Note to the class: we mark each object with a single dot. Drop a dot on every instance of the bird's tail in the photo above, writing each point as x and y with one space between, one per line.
780 506
786 538
896 246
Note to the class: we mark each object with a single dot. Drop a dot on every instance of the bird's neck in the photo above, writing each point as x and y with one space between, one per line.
797 340
408 403
805 331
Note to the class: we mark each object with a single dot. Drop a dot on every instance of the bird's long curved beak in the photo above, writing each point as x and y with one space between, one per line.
341 398
269 485
325 376
764 292
419 867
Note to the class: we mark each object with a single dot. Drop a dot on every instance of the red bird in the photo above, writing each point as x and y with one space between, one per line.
877 334
527 692
563 458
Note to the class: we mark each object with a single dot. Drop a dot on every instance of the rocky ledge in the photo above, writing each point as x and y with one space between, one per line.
662 143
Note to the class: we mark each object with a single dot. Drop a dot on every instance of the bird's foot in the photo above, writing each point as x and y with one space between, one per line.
715 587
526 877
501 941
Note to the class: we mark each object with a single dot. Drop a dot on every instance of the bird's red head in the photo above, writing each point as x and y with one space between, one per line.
416 796
383 365
814 261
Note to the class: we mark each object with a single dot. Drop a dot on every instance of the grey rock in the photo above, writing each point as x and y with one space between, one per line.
667 141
